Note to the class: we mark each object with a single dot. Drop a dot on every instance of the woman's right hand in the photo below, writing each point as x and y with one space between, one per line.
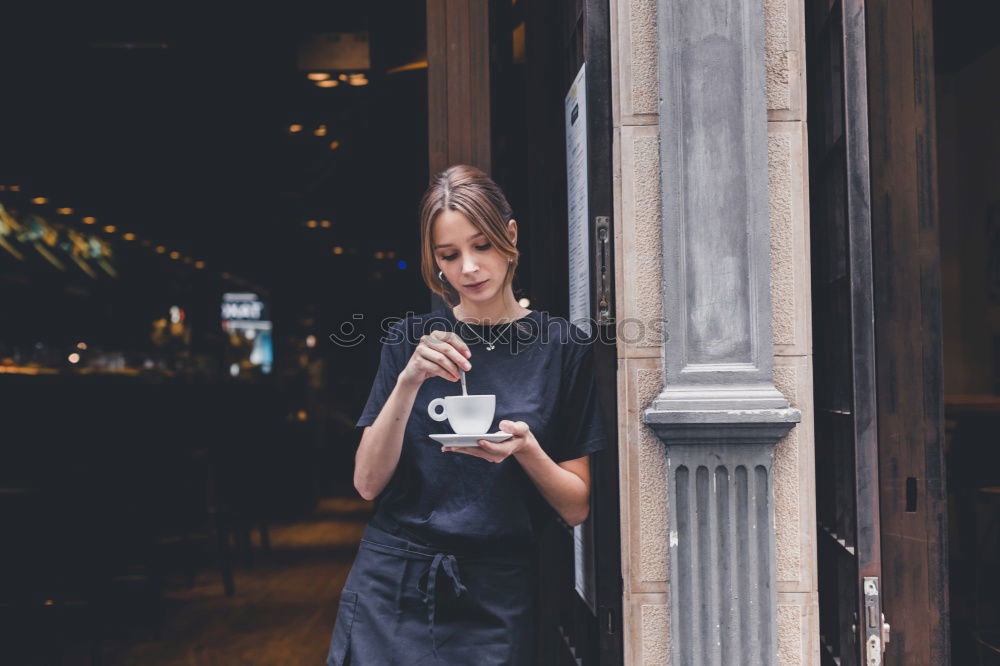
439 354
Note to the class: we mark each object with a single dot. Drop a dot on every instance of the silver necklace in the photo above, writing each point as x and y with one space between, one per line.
490 344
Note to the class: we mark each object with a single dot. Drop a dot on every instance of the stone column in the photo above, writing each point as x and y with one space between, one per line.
719 414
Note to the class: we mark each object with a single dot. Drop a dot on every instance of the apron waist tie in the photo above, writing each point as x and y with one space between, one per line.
450 566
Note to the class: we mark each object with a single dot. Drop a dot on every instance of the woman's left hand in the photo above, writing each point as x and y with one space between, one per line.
523 440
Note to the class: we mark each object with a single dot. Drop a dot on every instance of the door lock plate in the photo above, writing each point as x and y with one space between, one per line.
876 628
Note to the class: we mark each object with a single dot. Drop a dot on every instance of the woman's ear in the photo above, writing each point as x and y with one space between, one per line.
512 230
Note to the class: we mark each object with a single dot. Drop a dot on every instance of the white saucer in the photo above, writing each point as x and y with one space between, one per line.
451 439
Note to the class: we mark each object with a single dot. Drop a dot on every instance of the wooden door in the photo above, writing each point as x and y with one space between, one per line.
847 481
908 327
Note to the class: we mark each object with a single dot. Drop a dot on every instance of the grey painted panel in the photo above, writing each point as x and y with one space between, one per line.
714 157
715 170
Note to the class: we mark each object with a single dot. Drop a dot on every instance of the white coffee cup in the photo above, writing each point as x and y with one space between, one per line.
467 414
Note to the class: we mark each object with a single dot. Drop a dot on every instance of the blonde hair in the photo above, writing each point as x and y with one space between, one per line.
467 190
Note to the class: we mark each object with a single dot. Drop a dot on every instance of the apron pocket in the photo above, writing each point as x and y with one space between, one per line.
340 644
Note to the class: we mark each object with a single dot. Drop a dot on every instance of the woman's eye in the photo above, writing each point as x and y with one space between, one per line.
478 247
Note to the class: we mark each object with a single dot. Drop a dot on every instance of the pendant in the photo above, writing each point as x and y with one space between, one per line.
489 347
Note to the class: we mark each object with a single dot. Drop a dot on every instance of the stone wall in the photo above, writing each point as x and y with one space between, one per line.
639 288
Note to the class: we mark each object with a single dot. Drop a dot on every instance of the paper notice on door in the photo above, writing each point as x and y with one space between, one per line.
579 287
577 205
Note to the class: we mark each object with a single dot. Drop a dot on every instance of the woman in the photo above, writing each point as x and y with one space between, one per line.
445 570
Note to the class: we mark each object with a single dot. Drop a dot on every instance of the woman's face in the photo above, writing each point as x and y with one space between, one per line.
470 262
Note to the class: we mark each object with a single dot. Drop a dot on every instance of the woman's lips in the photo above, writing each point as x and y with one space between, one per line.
477 285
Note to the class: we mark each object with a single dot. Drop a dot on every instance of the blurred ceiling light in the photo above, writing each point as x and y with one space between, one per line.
146 243
320 131
334 144
524 302
64 211
226 276
234 370
379 254
160 249
519 51
129 236
199 264
329 83
39 200
310 341
81 345
391 254
312 224
295 128
302 415
338 250
358 80
408 67
175 255
74 358
342 77
317 76
325 224
3 188
15 188
188 260
111 228
90 219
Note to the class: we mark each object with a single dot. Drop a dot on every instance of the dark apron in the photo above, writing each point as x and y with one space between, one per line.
407 602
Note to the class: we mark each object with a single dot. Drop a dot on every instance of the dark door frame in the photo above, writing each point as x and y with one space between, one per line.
847 493
458 84
459 57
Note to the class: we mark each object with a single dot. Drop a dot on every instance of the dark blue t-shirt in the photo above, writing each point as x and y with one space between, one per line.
541 371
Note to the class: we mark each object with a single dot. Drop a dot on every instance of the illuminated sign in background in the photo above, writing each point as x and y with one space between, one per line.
246 317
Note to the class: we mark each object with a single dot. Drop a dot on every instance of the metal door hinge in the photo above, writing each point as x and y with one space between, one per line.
602 281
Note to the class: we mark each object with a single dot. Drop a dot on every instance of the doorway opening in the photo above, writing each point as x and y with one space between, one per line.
967 54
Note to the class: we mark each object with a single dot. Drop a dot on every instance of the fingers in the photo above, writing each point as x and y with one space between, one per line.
436 363
451 344
431 369
517 428
444 353
496 449
455 340
475 451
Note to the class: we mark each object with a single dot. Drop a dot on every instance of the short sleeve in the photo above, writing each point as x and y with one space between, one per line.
582 427
391 363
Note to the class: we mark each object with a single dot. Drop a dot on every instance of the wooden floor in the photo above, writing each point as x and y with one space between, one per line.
283 610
